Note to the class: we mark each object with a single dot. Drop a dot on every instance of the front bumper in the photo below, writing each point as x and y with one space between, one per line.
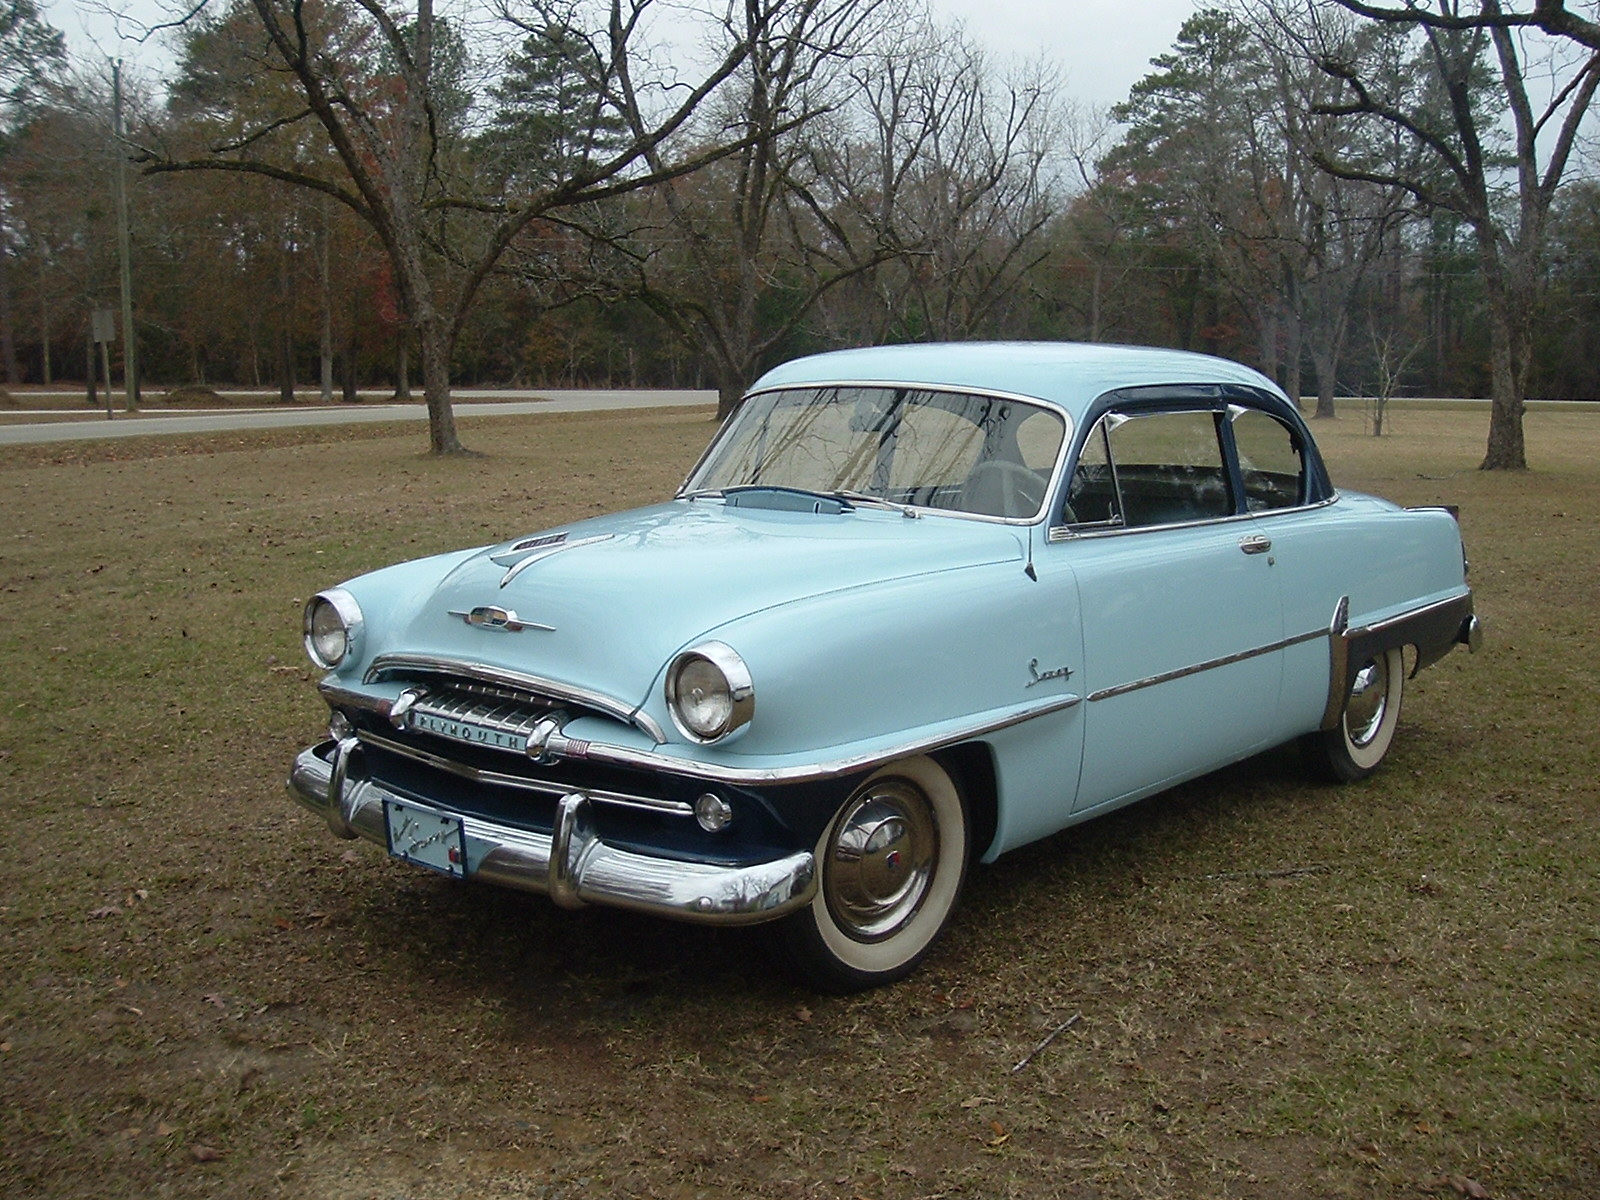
571 864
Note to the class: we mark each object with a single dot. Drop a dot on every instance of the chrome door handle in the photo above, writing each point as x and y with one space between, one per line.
1256 543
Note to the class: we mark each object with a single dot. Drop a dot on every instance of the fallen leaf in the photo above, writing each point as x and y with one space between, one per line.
283 922
762 1099
215 998
203 1153
1424 1127
1470 1188
165 1130
975 1101
999 1129
803 1015
110 910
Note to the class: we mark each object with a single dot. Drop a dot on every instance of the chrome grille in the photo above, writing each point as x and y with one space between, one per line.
477 720
441 676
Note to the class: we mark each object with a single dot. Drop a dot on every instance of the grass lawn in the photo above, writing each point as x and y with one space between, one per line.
1281 989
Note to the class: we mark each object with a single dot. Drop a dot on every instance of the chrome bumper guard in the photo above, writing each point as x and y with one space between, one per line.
571 864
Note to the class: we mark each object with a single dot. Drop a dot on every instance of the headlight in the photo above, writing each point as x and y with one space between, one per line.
332 624
709 693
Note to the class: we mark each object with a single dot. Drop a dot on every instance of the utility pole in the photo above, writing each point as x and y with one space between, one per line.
119 188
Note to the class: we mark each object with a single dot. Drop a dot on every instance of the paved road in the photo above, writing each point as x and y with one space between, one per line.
478 404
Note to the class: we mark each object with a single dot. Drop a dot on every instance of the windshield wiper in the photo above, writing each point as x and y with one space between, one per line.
850 497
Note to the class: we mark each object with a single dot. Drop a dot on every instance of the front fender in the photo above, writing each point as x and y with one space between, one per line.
874 666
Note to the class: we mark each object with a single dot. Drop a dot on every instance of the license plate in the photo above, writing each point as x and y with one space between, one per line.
430 839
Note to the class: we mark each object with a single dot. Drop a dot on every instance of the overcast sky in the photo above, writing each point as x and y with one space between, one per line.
1101 46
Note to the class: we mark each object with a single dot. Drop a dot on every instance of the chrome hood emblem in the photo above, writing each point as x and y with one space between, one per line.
489 616
532 550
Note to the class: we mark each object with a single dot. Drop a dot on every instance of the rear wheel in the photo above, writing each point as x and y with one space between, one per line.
890 868
1354 747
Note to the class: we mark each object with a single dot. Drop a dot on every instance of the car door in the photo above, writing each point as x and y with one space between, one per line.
1180 610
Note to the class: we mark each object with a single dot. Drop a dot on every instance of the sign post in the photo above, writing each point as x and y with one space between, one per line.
103 326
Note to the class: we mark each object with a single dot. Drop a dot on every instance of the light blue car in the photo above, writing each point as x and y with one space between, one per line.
916 606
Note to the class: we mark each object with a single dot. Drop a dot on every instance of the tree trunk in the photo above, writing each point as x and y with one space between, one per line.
436 345
1507 450
729 393
285 367
285 329
349 389
1292 353
44 323
1509 292
325 287
1268 343
8 343
1323 365
402 368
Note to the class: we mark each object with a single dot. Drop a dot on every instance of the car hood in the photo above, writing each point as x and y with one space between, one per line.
604 604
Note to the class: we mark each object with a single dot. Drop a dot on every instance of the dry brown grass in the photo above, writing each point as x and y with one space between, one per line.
201 993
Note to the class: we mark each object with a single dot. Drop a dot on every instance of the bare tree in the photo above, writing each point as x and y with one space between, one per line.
1443 109
874 139
377 114
1221 140
965 156
1392 352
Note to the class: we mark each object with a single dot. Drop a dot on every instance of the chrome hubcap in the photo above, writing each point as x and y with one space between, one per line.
880 860
1369 695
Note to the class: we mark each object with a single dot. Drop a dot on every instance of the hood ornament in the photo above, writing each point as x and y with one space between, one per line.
489 616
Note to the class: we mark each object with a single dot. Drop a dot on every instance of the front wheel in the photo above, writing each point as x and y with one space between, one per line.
890 867
1354 747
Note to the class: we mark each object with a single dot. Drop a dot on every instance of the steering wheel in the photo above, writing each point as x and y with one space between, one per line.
1019 490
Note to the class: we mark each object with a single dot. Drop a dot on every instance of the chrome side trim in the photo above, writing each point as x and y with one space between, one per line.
562 747
539 787
1338 663
1402 618
590 870
1071 533
536 685
1210 664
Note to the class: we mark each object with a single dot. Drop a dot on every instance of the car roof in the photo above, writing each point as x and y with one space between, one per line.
1070 374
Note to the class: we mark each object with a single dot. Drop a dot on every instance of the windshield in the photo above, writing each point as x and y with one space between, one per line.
985 455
